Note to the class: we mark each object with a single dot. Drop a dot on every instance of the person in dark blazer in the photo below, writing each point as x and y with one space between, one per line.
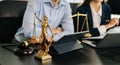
99 16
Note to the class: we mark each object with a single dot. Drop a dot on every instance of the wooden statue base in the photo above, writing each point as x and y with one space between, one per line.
43 57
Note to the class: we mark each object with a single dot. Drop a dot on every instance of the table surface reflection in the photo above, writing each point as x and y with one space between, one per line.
85 56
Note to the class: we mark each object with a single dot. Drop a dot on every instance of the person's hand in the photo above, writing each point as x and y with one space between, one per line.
57 30
113 22
37 40
34 41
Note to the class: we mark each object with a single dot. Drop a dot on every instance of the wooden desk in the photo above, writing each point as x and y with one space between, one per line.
86 56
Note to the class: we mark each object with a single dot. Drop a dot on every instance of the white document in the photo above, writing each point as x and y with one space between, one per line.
114 30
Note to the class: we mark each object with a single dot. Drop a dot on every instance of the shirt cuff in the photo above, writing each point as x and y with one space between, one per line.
102 30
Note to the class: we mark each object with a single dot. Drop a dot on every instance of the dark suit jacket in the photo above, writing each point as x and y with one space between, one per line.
85 9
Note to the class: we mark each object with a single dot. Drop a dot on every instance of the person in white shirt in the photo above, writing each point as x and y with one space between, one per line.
57 11
99 16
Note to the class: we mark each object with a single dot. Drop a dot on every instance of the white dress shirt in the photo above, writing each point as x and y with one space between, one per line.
97 20
56 15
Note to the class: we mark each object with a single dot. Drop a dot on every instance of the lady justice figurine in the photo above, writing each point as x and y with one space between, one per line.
43 40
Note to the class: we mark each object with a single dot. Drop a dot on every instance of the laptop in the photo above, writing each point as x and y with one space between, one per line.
68 43
109 40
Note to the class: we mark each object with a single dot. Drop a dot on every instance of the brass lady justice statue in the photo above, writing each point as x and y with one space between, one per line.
43 40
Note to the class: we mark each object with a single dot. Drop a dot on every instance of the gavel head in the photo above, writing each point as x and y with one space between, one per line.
23 45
